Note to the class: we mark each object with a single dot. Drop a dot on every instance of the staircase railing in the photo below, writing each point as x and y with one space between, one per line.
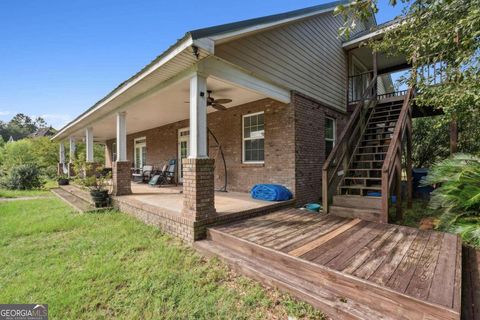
392 165
340 157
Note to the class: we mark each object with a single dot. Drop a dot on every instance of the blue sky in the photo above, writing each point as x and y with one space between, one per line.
58 58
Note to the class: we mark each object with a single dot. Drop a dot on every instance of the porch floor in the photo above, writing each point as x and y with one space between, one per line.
171 198
421 266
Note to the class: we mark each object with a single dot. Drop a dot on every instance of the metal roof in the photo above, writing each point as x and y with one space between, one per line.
236 26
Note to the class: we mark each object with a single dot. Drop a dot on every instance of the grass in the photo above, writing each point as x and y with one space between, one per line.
412 217
6 193
100 266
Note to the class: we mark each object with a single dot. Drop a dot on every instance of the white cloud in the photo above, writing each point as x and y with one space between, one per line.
4 113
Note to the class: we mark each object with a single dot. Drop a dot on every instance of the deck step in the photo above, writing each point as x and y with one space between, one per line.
77 201
265 272
374 215
339 295
361 202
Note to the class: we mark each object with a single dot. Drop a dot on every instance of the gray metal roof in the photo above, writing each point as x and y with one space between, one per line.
235 26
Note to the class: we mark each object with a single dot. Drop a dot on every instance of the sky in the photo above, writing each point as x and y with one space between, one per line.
57 58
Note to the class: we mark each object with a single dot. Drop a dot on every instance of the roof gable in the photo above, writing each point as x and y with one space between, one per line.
244 25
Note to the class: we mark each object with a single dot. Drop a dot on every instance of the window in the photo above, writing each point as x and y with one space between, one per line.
140 152
253 138
330 135
114 152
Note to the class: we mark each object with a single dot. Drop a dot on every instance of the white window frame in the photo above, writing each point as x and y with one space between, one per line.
181 138
135 150
114 152
334 140
245 139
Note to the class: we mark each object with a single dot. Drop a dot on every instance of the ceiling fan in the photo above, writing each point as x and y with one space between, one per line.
215 103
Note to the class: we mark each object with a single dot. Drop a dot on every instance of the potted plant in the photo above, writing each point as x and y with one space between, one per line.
98 185
63 180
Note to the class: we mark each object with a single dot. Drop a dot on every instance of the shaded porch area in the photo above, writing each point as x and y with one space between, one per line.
227 204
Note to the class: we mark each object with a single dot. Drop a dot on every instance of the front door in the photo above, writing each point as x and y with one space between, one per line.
183 149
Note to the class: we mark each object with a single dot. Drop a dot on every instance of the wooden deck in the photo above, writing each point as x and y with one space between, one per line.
394 271
471 284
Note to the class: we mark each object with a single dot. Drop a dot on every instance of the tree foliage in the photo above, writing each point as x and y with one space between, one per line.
458 195
40 152
20 126
441 40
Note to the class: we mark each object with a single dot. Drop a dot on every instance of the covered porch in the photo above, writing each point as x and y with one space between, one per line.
158 119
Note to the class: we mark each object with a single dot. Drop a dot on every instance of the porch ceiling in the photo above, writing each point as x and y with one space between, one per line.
167 106
364 54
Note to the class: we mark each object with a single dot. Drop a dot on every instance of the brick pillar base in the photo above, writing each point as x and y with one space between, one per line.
91 169
121 175
198 189
71 170
59 168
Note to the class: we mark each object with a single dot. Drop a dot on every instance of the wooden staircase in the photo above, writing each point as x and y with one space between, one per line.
365 167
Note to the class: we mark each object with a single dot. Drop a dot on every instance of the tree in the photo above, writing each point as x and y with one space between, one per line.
20 126
443 36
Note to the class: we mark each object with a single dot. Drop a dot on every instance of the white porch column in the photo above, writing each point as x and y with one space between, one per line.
198 117
89 144
72 150
121 136
61 152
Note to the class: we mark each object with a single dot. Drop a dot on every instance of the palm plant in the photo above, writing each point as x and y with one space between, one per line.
458 195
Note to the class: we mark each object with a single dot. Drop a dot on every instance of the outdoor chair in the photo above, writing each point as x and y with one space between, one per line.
166 175
144 174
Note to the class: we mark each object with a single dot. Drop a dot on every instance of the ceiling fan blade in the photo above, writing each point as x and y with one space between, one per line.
219 107
222 101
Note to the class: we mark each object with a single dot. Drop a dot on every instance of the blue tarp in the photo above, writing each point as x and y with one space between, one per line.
271 192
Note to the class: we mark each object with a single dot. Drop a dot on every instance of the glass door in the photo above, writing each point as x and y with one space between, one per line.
140 151
183 149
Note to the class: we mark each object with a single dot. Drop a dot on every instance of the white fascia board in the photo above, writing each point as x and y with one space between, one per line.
205 44
231 73
372 35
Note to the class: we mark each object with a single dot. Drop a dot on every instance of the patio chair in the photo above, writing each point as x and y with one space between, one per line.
144 174
166 176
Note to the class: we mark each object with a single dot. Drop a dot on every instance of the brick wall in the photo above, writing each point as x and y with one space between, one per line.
227 127
310 145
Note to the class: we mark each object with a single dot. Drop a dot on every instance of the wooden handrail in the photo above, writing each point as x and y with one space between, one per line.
393 157
338 155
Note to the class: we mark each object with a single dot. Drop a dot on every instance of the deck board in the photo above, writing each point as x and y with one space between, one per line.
409 261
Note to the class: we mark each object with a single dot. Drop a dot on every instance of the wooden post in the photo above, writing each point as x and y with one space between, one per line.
375 74
398 187
409 168
453 135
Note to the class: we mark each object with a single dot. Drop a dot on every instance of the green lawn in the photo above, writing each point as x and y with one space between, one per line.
110 265
5 193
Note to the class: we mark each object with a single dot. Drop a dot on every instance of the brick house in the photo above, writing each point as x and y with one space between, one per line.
290 81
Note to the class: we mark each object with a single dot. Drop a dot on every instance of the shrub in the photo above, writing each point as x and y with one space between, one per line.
23 177
458 195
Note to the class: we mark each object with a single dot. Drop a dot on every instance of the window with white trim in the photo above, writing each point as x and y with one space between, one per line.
330 135
114 152
140 152
253 134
